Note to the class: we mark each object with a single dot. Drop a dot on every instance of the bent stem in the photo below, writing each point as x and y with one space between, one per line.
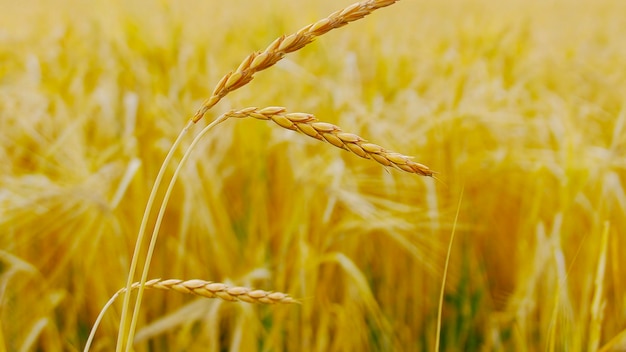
140 235
104 309
157 226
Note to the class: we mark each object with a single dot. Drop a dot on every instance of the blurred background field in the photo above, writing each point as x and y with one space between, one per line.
521 104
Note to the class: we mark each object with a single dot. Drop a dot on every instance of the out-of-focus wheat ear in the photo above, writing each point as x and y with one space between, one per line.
283 45
309 125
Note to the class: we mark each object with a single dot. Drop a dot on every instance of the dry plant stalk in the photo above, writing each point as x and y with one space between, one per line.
211 289
283 45
312 127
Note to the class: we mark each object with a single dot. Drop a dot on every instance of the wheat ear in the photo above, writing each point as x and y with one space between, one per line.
210 289
309 125
283 45
199 288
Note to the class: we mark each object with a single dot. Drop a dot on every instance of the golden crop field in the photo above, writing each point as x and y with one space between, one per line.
518 107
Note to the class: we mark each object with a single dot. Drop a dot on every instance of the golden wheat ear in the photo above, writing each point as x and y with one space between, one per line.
312 127
284 45
201 288
222 291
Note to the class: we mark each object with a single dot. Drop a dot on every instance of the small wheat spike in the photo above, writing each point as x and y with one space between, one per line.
210 289
283 45
309 125
200 288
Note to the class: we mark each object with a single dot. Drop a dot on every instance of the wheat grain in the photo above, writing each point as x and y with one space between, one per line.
309 125
216 290
283 45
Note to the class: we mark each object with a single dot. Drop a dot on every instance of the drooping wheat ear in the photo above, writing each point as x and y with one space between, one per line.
217 290
285 44
309 125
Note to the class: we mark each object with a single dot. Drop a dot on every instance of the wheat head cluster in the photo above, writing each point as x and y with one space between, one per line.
301 122
205 176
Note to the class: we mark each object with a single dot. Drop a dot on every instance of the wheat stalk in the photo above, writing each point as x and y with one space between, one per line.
312 127
283 45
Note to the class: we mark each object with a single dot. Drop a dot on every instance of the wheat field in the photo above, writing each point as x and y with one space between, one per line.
518 107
